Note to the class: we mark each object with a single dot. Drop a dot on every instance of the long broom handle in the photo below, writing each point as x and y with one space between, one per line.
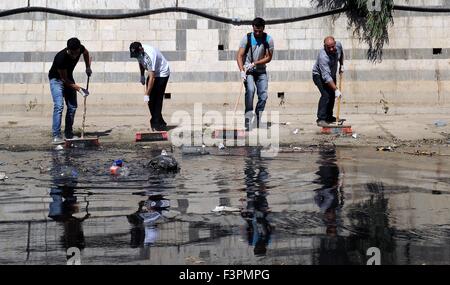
84 103
339 99
84 111
238 98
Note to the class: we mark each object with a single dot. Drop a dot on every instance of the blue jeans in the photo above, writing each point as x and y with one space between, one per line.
61 94
261 82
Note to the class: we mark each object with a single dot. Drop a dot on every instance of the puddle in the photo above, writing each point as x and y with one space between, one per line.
322 207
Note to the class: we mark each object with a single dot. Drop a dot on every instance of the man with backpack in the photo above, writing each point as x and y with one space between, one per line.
255 51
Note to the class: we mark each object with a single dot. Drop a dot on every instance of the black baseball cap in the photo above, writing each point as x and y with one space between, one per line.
134 49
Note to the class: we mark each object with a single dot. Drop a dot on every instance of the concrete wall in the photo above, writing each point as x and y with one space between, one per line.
409 73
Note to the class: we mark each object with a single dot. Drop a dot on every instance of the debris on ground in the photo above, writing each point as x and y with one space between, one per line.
424 153
295 131
3 176
355 136
194 260
427 153
222 209
221 146
59 147
440 123
285 123
385 103
386 148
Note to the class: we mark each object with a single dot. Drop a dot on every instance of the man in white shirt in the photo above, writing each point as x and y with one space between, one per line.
152 60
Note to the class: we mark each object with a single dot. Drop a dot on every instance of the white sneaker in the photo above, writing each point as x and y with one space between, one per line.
57 140
73 138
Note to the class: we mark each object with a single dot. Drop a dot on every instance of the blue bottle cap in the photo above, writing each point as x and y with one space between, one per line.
118 162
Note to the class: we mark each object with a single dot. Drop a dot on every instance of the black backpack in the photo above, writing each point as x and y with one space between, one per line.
249 44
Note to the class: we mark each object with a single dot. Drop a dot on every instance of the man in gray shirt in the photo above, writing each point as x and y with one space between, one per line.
324 77
255 51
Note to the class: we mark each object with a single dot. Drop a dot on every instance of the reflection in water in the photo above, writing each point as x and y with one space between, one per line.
64 203
144 230
329 198
370 221
389 205
258 228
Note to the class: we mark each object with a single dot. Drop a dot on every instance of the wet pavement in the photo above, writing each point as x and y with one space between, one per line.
324 206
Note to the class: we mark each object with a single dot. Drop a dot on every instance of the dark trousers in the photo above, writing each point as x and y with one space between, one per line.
156 101
326 102
70 97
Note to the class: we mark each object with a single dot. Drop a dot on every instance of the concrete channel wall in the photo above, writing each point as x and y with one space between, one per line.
415 69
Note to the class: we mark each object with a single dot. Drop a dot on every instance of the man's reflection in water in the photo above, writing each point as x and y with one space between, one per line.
258 228
144 229
329 198
64 203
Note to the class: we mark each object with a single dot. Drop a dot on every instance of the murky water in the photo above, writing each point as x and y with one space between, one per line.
319 207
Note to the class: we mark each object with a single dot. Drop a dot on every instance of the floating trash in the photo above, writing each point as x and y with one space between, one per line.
119 169
194 150
157 204
163 162
3 176
225 209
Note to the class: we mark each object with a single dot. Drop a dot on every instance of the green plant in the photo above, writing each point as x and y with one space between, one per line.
370 27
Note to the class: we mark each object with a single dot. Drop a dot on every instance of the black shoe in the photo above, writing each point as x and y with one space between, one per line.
70 136
331 120
321 123
161 128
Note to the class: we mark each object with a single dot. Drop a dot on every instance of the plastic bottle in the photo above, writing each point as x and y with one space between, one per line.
157 204
68 173
119 169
